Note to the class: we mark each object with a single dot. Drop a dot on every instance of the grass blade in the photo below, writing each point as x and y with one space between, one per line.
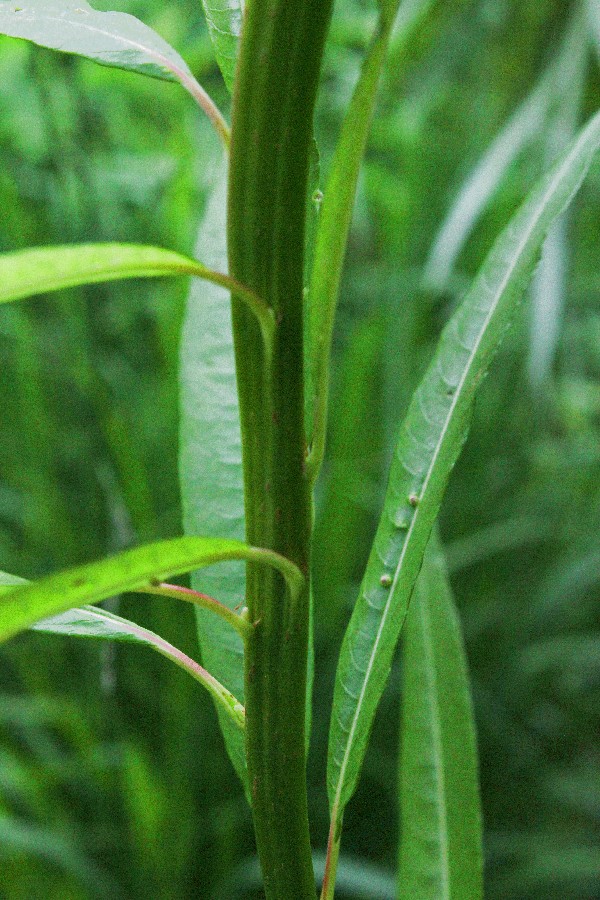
441 840
112 39
224 18
129 571
44 269
429 444
550 283
210 460
520 130
89 622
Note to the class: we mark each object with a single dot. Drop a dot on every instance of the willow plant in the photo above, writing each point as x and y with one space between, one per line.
254 397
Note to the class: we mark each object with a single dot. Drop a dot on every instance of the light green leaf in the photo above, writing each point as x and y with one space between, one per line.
89 622
224 18
211 455
429 444
129 571
441 841
44 269
110 38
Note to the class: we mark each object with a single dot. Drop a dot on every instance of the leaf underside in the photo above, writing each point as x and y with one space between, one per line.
210 462
112 39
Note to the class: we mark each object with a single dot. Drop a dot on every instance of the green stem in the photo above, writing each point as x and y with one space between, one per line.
273 105
331 861
161 589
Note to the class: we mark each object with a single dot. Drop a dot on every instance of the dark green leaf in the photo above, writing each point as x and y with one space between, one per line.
441 841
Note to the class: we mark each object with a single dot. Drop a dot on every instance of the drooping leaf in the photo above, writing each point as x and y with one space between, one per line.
430 442
441 840
44 269
110 38
211 455
90 622
131 570
224 18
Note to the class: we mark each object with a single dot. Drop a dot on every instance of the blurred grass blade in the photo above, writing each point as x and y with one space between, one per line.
224 18
211 455
550 282
520 130
112 39
335 219
430 442
89 622
441 840
44 269
482 184
131 570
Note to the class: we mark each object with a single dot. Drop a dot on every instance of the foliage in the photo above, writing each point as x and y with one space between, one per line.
109 757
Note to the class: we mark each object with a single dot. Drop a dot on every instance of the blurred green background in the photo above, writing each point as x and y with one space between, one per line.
113 777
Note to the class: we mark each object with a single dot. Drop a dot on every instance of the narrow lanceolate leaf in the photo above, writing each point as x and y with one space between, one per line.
224 18
441 842
89 622
44 269
110 38
430 442
211 455
332 233
129 571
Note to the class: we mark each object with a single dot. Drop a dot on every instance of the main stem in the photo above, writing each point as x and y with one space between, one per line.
274 96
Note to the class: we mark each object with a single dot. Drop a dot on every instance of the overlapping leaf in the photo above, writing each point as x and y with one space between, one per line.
430 442
211 455
441 841
224 18
131 570
99 624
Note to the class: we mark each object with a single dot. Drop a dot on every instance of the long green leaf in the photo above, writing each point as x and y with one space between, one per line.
441 841
430 442
131 570
224 18
89 622
112 39
335 219
44 269
211 455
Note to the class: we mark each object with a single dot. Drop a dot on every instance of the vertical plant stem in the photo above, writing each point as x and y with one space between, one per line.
274 98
